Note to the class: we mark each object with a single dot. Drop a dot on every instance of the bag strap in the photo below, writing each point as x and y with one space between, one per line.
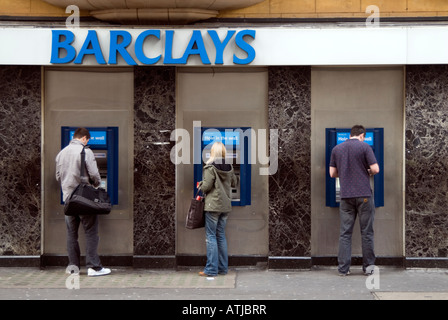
84 178
197 192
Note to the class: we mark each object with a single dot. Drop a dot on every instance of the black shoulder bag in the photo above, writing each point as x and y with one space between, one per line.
85 199
195 215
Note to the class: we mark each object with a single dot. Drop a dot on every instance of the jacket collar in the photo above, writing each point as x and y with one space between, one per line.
77 142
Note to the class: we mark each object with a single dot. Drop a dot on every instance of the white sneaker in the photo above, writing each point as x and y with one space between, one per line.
103 272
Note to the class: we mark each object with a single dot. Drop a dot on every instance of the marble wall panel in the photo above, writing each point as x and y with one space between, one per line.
154 176
20 160
426 161
290 187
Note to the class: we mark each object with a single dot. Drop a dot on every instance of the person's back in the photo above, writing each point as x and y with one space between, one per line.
353 158
68 167
217 184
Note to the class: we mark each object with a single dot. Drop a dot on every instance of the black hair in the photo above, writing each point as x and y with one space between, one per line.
357 131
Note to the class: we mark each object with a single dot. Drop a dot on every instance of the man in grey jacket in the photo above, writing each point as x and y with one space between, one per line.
68 174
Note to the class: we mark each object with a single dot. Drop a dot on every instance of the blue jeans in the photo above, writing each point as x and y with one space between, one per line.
348 210
215 238
90 225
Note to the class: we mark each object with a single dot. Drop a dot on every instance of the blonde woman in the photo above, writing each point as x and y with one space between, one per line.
218 179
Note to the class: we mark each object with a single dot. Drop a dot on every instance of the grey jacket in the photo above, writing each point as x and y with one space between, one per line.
68 167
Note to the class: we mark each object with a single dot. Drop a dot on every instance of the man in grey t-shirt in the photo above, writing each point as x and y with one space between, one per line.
353 162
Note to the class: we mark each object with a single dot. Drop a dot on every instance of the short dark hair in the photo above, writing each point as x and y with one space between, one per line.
80 133
357 131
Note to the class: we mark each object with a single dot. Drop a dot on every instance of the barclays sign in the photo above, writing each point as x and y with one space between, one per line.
280 46
150 47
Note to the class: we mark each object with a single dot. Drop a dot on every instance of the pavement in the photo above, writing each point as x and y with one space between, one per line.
319 283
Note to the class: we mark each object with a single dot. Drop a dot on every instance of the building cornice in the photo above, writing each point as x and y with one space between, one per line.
154 11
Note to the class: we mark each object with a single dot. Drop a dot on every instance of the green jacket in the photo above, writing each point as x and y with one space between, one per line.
216 185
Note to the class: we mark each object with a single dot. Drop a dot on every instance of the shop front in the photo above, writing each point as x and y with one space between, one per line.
274 92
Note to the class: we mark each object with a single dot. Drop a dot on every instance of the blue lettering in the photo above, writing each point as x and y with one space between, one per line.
63 51
220 46
243 45
139 47
169 35
57 45
196 46
91 46
120 48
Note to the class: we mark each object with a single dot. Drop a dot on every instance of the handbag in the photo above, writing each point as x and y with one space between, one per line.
85 199
195 215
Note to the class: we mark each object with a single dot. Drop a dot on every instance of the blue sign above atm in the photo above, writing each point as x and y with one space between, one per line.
97 138
134 49
228 137
342 136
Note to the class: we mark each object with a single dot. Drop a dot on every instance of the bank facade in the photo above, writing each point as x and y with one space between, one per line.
150 74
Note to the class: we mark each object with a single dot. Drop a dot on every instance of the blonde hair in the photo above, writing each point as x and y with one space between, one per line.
218 151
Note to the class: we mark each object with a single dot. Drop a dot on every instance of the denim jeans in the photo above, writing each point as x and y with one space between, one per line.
90 225
348 210
215 238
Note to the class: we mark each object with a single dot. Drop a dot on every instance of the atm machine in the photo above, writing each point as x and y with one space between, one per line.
375 139
237 142
104 144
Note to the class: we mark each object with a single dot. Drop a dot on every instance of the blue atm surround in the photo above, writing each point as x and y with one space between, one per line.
102 139
375 139
236 140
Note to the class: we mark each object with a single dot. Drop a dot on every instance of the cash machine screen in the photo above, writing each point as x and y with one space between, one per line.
101 161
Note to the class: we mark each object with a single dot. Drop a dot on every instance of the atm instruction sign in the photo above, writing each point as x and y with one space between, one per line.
97 138
343 136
